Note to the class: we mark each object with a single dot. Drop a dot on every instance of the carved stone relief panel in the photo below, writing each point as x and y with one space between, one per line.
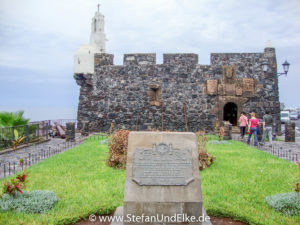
248 85
229 74
212 87
239 87
230 89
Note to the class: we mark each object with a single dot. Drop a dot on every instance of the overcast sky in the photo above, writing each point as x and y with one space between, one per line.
38 40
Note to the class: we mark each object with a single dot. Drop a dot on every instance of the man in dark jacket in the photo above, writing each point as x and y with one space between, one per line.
267 128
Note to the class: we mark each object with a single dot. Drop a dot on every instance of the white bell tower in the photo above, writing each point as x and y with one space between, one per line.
98 37
84 55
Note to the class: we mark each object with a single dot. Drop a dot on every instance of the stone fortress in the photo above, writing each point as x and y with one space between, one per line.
143 95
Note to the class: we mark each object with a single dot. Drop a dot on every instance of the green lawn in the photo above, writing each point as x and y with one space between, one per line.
237 183
82 181
234 186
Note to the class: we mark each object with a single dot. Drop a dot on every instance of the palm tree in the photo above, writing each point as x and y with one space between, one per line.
9 119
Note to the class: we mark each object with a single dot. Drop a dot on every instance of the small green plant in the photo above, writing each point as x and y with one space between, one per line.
286 203
21 161
16 184
29 202
17 140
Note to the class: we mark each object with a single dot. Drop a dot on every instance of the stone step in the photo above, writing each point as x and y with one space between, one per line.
235 130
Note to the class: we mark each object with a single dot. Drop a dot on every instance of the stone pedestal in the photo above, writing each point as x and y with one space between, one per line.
227 131
70 131
290 132
162 176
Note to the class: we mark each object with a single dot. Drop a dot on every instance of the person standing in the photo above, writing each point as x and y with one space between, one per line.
267 128
253 124
243 120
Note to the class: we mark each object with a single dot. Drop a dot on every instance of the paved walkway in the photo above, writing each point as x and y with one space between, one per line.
10 161
34 149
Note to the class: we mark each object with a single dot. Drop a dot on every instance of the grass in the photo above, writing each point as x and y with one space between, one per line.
239 180
234 186
82 181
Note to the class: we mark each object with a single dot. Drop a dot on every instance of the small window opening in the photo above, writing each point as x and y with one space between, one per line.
155 95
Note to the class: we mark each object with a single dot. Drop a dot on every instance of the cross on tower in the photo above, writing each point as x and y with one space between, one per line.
98 6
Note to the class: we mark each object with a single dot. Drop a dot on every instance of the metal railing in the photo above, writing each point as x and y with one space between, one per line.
58 121
278 151
11 167
32 132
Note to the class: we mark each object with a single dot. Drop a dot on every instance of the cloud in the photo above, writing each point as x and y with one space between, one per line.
42 36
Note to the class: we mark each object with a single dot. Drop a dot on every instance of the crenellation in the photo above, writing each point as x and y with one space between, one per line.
186 59
104 59
141 59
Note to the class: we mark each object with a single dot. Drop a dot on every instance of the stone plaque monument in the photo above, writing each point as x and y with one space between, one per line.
162 165
162 177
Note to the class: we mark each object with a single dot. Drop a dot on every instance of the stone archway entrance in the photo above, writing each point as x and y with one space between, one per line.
230 113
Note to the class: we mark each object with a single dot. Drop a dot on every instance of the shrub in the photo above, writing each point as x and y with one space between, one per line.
15 185
286 203
29 202
205 159
118 144
8 119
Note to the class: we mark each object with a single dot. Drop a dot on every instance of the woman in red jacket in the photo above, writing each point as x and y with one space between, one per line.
253 124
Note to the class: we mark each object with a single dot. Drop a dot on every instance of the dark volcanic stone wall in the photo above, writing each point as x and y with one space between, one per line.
120 94
248 65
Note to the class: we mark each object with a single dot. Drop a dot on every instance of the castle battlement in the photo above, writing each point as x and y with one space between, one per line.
140 59
186 59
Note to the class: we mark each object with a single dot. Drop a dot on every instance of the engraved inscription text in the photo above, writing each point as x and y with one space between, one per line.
162 165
